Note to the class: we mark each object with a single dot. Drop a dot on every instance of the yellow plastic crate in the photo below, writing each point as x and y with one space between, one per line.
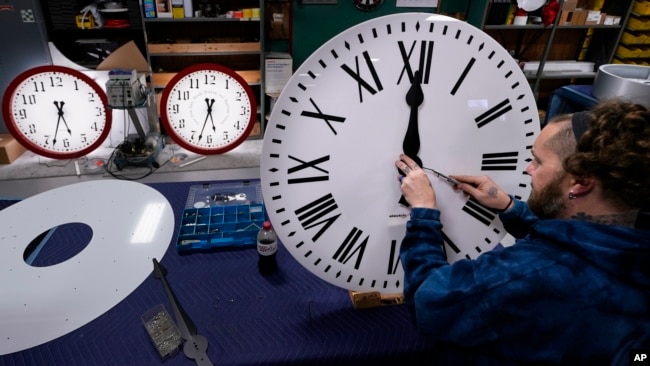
638 23
631 38
629 52
645 52
642 7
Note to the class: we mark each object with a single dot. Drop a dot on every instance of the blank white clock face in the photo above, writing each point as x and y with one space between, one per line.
56 112
208 109
327 167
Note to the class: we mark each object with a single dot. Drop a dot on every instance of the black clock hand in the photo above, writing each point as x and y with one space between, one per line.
214 129
414 98
209 103
195 346
411 144
58 120
61 117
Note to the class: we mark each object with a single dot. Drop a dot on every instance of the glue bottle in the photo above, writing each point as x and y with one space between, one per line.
267 247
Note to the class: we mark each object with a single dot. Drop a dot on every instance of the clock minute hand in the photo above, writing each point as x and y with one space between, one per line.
411 144
58 120
209 103
59 107
414 98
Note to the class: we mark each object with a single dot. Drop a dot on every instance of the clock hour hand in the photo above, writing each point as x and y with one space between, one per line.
209 103
59 108
214 129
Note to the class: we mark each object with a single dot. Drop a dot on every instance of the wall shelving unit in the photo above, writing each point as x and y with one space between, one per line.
237 43
634 45
540 44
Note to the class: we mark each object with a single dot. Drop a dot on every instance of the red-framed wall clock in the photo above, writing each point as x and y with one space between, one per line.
56 112
208 109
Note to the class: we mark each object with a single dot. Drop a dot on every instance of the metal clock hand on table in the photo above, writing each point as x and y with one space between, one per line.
195 346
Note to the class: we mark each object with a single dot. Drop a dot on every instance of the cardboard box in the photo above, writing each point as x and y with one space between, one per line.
163 9
609 20
278 68
570 5
10 149
603 17
593 17
573 17
580 17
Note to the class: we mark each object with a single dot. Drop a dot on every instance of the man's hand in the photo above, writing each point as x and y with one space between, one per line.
415 184
484 190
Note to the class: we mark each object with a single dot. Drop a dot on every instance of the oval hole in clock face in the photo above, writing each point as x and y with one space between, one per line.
58 244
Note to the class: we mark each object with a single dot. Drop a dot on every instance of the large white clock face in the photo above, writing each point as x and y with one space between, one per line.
56 112
327 168
208 109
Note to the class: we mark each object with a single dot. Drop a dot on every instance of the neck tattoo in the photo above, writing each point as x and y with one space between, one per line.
617 219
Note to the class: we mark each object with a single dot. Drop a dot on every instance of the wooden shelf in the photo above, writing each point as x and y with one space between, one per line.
193 49
199 20
160 79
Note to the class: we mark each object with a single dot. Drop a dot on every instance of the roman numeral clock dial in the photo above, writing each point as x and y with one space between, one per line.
327 167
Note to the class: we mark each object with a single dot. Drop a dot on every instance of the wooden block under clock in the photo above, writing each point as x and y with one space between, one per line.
373 299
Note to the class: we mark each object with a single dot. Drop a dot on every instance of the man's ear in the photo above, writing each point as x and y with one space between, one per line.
581 186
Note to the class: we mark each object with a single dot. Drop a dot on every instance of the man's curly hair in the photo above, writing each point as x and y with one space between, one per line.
615 148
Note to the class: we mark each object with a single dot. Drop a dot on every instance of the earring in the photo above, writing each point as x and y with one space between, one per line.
572 196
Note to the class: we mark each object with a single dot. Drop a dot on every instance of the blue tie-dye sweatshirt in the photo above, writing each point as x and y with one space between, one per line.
567 292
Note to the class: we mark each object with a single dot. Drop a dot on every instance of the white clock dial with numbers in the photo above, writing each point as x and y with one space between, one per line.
208 109
327 168
56 112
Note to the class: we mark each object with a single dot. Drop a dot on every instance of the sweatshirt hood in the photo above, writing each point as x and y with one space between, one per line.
622 252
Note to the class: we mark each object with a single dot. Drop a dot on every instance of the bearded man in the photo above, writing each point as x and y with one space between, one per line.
574 288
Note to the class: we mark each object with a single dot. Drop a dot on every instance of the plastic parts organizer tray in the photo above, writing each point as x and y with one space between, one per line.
221 215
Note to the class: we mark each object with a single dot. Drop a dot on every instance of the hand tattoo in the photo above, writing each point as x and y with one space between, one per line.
492 192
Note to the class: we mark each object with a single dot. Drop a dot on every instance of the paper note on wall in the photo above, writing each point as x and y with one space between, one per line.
417 3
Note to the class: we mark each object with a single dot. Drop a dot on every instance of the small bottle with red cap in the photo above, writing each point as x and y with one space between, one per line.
267 247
